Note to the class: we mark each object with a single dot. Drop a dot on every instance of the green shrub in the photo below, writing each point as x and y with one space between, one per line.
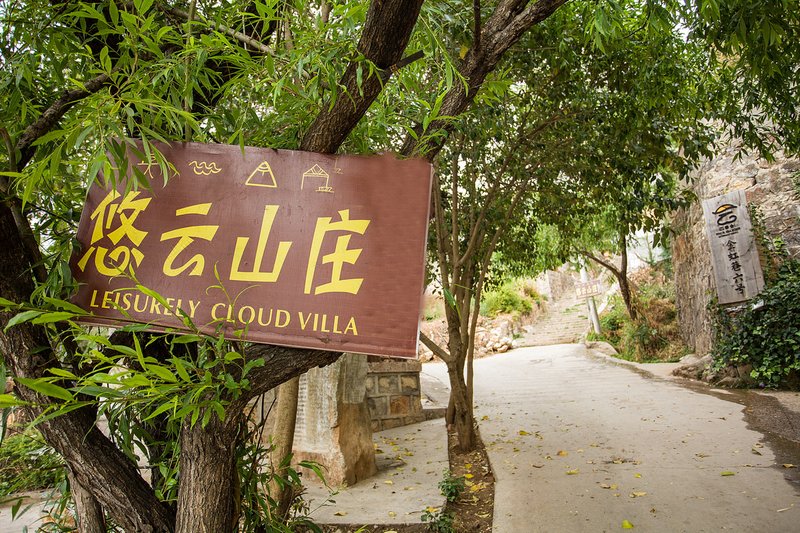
505 299
451 487
438 520
767 337
654 336
27 463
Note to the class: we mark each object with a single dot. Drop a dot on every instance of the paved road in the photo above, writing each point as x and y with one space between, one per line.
581 444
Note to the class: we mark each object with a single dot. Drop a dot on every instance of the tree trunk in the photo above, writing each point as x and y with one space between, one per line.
89 513
463 411
622 277
509 21
95 461
286 420
386 33
209 493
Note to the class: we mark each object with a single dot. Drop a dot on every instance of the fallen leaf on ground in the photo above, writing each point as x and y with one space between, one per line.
727 473
637 475
523 432
389 482
638 494
572 472
340 513
626 525
392 514
468 476
562 453
605 486
789 465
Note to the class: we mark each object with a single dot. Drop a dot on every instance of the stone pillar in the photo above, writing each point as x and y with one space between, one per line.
333 421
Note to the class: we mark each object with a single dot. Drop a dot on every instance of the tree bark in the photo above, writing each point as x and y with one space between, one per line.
95 461
385 36
283 435
209 493
90 516
621 274
462 415
509 21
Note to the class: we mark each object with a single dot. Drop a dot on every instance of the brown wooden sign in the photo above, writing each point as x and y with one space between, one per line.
588 289
737 269
271 246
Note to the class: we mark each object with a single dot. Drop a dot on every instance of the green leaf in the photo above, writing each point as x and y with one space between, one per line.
56 316
180 367
727 473
46 388
185 339
162 373
62 304
19 318
626 525
60 372
9 400
162 409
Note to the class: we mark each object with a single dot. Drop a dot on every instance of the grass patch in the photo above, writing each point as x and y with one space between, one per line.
27 463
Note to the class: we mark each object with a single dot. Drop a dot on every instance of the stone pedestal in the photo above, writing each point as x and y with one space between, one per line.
393 393
333 421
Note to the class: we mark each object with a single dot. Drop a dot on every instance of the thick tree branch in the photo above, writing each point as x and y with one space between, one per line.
476 14
52 115
602 262
509 21
281 364
435 348
386 33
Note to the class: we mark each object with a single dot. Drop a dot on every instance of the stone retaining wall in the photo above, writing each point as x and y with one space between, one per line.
768 185
393 393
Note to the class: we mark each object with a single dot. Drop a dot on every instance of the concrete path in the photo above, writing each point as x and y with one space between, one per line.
578 444
32 512
411 461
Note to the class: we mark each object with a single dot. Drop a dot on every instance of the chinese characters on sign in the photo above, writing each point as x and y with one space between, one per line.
737 269
587 289
272 246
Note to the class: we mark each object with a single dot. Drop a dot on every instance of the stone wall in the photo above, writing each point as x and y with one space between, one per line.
393 393
555 284
768 185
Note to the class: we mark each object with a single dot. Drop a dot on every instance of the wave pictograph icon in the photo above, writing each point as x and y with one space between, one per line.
202 168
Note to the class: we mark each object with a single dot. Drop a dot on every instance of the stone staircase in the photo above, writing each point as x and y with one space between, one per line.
566 321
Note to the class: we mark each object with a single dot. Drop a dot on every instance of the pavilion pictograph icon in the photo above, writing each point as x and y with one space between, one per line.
318 174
